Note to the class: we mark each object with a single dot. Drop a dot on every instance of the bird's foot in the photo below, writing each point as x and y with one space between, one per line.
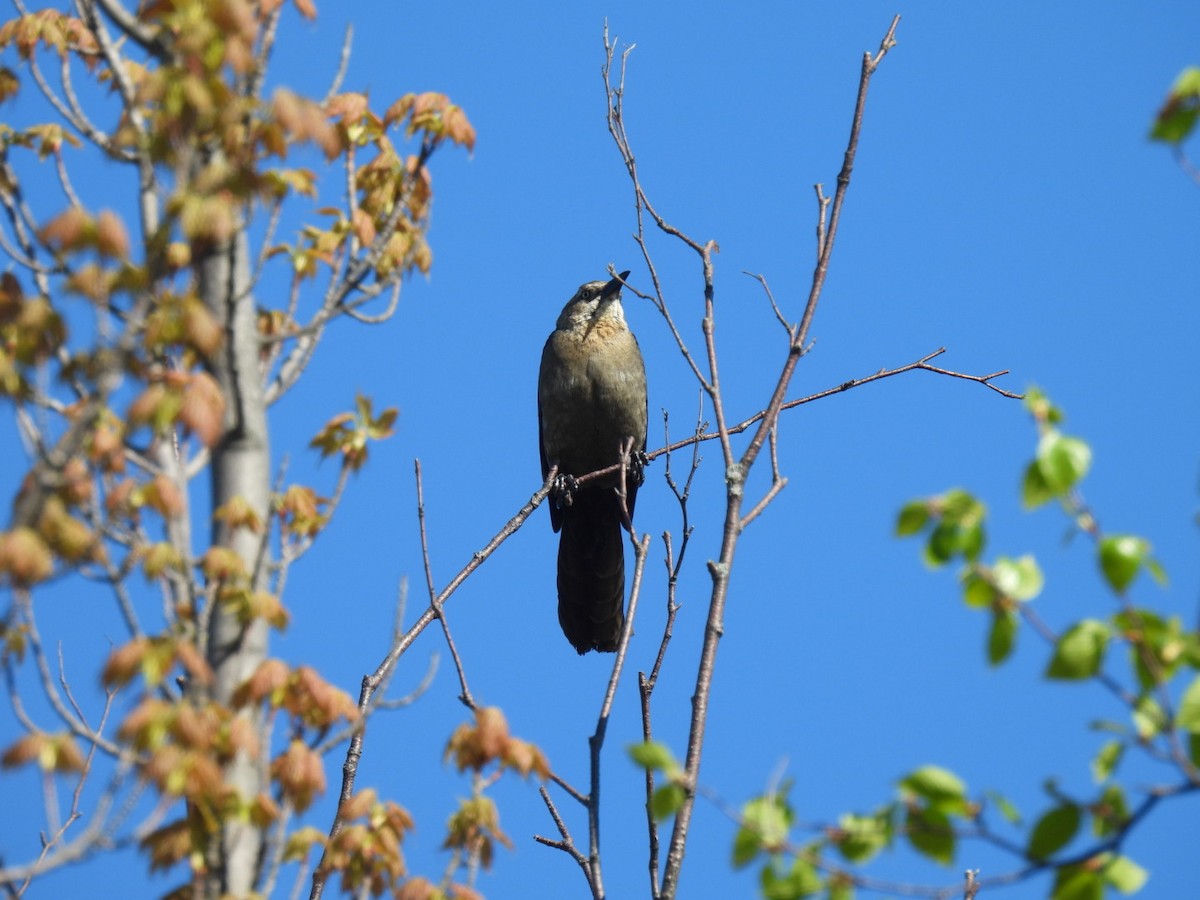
562 491
638 460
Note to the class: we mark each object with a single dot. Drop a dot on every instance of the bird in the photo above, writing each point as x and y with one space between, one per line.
591 400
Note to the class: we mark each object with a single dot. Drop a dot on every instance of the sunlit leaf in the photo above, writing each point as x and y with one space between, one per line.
1121 557
1079 653
666 800
1077 882
1188 716
1020 579
1125 875
939 787
912 518
653 755
1106 760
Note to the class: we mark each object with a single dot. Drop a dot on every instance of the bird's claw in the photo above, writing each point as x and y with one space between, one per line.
563 489
638 460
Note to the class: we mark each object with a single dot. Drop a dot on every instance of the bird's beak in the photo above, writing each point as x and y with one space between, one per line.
614 286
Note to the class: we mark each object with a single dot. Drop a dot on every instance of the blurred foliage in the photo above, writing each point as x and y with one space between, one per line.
1075 839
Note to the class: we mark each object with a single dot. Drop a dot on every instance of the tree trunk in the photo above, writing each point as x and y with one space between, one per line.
240 468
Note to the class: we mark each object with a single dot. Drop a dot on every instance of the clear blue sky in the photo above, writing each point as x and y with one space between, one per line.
1006 204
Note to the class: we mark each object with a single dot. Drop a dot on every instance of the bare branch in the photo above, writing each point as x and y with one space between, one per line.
339 76
615 95
761 279
737 471
262 56
565 844
130 26
434 603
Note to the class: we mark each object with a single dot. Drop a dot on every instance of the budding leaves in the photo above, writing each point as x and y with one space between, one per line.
955 519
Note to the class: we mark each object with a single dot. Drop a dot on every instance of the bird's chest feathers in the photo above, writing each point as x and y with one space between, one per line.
601 357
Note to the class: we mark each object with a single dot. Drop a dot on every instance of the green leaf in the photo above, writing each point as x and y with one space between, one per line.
1194 749
1053 831
1002 636
765 824
665 801
1077 883
1179 113
939 787
746 846
1110 813
959 529
1125 875
914 515
1079 653
1040 407
770 818
1173 125
1062 461
1191 649
840 888
971 542
1034 489
1157 572
930 834
654 756
801 880
943 543
961 506
861 837
1007 809
1188 717
1157 646
978 591
1148 718
1020 579
1105 762
1121 556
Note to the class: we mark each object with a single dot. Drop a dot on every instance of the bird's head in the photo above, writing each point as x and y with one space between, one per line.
594 301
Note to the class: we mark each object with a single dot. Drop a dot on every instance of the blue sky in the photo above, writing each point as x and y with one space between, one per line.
1006 204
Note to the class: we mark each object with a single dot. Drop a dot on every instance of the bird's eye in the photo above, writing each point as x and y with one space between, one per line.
586 294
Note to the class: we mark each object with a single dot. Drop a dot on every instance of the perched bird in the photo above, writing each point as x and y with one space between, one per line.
591 398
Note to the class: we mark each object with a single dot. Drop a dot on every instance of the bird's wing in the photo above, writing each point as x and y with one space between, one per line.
555 512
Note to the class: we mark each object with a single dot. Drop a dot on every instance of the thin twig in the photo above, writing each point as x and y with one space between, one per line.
434 603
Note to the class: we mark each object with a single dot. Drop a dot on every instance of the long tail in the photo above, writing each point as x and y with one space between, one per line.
591 571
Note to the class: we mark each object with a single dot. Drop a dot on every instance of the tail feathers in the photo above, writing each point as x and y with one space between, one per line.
591 571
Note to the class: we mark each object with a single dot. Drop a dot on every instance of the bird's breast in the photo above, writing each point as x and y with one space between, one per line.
593 395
